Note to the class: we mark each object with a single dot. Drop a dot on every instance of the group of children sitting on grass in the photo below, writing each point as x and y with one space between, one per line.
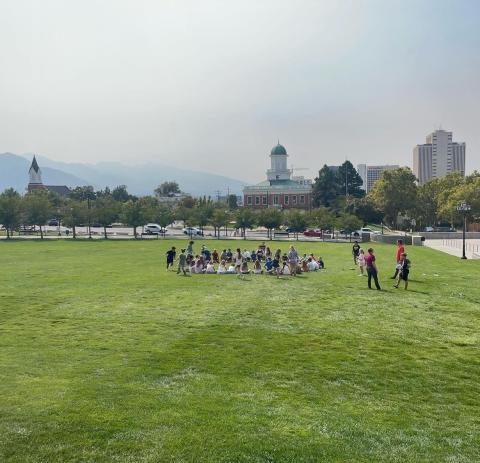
259 261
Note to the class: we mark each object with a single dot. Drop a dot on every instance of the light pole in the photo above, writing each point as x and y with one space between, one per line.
464 209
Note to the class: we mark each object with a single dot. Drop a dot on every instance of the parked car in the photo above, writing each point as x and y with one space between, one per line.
53 223
192 231
315 233
365 230
429 229
154 229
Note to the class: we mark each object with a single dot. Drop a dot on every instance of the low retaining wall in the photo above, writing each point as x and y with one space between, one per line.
392 239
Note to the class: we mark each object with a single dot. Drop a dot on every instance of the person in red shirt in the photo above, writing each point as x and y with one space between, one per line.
372 270
400 251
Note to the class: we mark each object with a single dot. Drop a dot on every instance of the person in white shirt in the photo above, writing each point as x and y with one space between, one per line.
361 261
210 268
312 265
231 269
221 267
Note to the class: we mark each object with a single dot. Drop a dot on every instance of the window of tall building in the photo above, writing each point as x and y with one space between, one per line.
302 199
286 199
249 200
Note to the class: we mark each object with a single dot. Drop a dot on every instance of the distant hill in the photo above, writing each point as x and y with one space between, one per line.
140 179
14 174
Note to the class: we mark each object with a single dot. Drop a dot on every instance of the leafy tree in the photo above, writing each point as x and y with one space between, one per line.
83 193
187 202
244 218
38 209
120 193
167 189
232 202
446 202
106 212
296 220
349 223
468 191
322 218
133 213
10 210
365 209
164 216
395 193
75 215
202 214
349 181
427 205
218 220
325 188
270 219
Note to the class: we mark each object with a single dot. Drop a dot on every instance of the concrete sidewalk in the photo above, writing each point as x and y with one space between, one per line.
454 247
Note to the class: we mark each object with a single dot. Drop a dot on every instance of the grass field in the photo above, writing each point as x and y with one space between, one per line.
106 357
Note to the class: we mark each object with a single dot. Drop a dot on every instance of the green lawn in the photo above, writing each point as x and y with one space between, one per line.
105 357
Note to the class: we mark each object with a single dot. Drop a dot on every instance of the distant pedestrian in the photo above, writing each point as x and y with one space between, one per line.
182 262
404 270
355 252
400 251
361 261
190 248
372 270
171 253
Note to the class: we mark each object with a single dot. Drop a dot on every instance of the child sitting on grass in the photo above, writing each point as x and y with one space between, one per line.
210 268
221 268
257 268
244 267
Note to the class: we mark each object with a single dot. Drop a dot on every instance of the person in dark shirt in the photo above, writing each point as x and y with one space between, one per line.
170 257
355 252
404 270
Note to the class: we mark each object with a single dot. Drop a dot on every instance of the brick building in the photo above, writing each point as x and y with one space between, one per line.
279 190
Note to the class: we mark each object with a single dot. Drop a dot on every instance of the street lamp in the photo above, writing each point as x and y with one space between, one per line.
464 209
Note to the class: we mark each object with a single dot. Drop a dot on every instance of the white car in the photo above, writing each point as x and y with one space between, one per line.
366 230
154 229
192 231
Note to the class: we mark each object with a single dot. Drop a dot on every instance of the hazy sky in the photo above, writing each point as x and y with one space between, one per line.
211 85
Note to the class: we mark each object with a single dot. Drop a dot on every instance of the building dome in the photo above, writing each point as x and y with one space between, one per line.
278 149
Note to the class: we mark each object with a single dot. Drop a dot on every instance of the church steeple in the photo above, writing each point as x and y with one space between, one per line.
35 174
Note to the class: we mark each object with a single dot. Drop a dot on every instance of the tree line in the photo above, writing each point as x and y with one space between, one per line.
396 198
338 203
87 207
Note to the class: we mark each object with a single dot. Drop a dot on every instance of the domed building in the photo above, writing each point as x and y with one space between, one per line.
279 190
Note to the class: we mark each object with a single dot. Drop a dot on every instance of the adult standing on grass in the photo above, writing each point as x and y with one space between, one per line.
293 260
400 251
372 270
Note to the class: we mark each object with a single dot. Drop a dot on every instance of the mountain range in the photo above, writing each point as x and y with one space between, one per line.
140 179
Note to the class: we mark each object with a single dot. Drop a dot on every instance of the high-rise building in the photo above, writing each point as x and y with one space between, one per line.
370 174
438 157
